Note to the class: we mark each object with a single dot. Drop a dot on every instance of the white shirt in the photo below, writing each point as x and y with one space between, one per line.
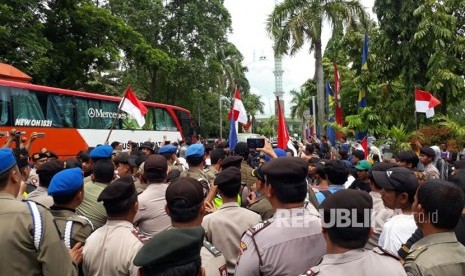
397 231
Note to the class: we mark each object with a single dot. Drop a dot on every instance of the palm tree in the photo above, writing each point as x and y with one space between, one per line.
293 22
253 104
299 104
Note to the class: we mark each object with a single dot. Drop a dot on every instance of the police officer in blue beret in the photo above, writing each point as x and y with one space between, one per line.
29 234
102 152
195 157
169 152
67 190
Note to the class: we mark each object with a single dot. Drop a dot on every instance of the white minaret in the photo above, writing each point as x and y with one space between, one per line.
278 81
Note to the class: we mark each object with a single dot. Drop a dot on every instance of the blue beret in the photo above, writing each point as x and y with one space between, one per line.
167 149
7 160
66 182
279 152
195 150
101 152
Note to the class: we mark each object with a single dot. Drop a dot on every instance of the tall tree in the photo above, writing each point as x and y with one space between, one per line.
294 22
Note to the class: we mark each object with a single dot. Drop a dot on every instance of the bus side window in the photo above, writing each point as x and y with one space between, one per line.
87 112
4 105
60 110
26 106
163 120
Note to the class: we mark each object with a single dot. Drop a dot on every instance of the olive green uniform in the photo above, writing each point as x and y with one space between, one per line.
71 227
22 253
90 208
262 206
246 175
436 255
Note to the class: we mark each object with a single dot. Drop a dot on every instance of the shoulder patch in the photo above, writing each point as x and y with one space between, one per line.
259 227
380 251
312 271
413 255
141 237
223 270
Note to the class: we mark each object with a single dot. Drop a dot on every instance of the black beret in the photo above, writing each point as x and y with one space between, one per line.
241 148
118 190
289 168
170 248
428 152
51 154
228 177
155 164
232 161
353 201
185 188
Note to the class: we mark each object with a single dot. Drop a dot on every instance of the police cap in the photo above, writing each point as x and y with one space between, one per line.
101 152
118 190
228 177
290 168
171 248
195 150
7 160
66 182
186 189
38 156
167 149
232 161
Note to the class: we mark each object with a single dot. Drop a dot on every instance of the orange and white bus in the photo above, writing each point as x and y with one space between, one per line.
75 120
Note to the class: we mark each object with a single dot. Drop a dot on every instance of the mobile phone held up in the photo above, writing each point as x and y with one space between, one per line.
40 135
254 143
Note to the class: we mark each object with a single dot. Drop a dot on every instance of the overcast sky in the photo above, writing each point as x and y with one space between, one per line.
250 37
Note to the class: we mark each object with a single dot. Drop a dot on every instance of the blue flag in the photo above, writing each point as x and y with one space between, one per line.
365 54
232 134
330 132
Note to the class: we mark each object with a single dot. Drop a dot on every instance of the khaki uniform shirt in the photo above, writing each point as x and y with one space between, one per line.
111 249
33 178
224 229
19 254
262 207
200 175
40 195
151 217
286 244
71 227
246 175
213 261
358 262
436 255
381 214
90 208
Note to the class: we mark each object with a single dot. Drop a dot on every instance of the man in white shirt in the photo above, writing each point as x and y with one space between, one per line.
399 187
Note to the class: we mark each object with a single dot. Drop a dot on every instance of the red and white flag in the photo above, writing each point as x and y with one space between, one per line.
131 105
425 102
284 141
238 109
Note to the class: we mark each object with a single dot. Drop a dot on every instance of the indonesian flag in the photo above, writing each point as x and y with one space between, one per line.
284 140
131 105
364 145
238 109
425 102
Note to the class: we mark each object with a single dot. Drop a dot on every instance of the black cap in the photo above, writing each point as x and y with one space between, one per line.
258 174
48 170
125 158
241 149
228 177
148 145
155 164
232 161
37 156
290 168
397 179
51 154
171 248
185 189
118 190
348 200
428 152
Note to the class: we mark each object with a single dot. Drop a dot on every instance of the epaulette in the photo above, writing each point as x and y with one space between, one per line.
259 227
211 248
413 255
380 251
37 203
140 236
312 271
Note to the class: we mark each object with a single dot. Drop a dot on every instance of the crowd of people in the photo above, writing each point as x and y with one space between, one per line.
207 209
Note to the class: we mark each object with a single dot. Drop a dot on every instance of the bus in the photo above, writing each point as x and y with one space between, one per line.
75 120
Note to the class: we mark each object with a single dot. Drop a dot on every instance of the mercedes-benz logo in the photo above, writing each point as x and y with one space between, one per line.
91 112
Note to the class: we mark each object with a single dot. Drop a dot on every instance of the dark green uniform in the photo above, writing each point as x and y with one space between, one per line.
262 206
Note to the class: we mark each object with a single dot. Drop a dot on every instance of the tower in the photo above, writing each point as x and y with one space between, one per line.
278 81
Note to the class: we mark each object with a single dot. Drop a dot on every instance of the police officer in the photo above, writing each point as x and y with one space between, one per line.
346 228
125 165
110 250
184 198
225 226
38 159
67 190
180 256
257 200
290 241
45 172
102 152
437 208
30 242
169 152
195 156
243 151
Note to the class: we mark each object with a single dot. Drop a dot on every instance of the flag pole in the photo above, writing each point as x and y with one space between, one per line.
415 108
115 119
